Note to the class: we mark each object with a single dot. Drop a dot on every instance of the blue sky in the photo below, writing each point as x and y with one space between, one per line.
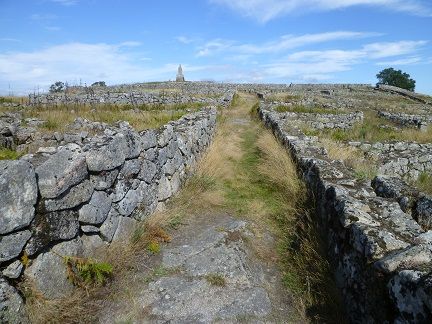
299 41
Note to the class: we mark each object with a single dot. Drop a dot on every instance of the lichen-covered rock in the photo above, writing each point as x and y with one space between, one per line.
13 270
11 305
18 195
109 227
74 197
149 139
52 227
411 292
61 171
97 209
125 229
107 155
148 171
49 272
104 179
130 168
11 245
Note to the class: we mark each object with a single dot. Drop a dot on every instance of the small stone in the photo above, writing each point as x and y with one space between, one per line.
12 245
13 270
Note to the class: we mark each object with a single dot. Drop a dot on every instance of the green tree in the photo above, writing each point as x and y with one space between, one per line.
57 87
99 84
396 78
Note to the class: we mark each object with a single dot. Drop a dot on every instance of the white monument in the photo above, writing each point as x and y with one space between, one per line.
180 76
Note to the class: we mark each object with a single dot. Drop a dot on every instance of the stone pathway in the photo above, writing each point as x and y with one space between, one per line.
209 273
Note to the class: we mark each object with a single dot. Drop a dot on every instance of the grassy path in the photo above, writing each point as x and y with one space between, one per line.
243 205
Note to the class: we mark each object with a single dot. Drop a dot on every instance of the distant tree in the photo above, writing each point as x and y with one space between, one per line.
99 84
396 78
57 87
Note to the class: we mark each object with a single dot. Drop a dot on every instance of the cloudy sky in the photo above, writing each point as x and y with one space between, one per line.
281 41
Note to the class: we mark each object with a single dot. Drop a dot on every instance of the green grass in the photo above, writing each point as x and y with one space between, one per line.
7 154
424 182
308 110
371 131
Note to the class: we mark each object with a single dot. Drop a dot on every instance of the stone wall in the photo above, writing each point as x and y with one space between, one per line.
419 121
403 92
381 256
323 121
133 98
402 159
79 197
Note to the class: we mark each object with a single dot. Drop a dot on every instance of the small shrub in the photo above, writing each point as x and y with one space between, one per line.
215 279
84 272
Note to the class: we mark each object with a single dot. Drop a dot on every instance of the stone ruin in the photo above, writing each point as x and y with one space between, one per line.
379 233
81 193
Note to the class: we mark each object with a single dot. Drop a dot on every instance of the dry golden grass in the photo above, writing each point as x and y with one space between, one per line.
59 117
365 168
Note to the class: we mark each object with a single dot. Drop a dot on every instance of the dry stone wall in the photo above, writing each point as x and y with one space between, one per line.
419 121
402 159
323 121
381 256
164 93
403 92
79 197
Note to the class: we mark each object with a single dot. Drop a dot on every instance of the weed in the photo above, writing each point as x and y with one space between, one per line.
7 154
84 272
175 222
25 259
154 247
216 279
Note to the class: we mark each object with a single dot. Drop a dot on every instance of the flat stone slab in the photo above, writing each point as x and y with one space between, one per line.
209 275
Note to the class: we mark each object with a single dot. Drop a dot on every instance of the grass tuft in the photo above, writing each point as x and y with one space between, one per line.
216 279
7 154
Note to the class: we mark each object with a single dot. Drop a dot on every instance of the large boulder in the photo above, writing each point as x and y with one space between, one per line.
61 171
18 195
49 272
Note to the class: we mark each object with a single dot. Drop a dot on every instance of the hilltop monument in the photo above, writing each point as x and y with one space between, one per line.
180 76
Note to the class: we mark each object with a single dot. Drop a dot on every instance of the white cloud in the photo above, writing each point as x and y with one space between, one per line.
403 61
387 49
130 44
89 62
65 2
185 40
322 65
6 39
265 10
214 46
43 17
284 43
